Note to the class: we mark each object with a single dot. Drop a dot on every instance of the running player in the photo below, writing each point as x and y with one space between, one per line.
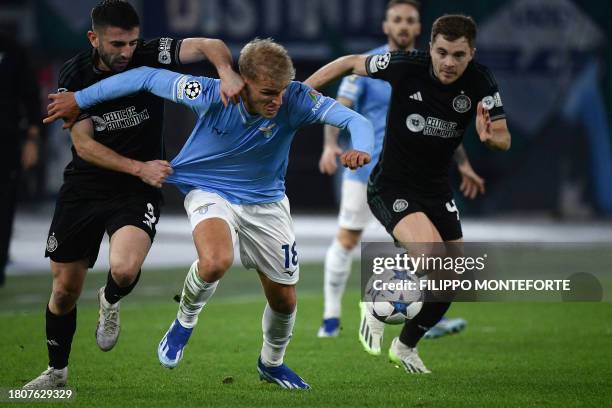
232 170
408 190
370 97
112 182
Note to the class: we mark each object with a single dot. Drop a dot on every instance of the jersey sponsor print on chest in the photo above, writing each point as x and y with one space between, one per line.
120 119
432 126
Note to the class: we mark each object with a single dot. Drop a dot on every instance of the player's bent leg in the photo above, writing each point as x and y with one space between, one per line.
337 269
60 319
214 244
447 326
416 228
129 246
417 233
277 326
371 331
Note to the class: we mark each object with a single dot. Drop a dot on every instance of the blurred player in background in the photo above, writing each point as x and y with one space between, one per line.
408 189
19 99
232 170
112 183
370 97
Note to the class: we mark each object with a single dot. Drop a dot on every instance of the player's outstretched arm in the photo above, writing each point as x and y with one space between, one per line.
471 183
493 134
163 83
361 131
215 51
331 149
349 64
152 172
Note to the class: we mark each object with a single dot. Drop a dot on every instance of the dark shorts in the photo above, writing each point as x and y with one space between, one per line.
79 222
390 207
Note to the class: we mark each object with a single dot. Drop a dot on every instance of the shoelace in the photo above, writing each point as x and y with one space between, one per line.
110 322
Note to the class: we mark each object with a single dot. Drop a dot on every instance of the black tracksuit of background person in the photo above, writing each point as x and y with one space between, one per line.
19 130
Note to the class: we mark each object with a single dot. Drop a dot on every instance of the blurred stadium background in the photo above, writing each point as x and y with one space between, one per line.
552 59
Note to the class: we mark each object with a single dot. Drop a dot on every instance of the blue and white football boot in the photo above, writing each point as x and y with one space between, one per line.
282 376
329 328
170 349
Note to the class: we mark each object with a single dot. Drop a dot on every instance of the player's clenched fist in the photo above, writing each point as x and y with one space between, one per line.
354 159
63 106
154 172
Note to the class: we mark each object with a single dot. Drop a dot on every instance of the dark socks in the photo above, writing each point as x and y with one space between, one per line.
430 314
113 292
60 331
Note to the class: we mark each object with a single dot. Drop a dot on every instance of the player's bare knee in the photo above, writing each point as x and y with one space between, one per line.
64 298
212 267
124 273
284 301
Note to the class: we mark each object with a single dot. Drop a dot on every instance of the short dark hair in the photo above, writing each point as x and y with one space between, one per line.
114 13
413 3
454 26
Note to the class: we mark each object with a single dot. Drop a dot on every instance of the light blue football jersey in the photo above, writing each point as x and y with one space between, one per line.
239 156
370 98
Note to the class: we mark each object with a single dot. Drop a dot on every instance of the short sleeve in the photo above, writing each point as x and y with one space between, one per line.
70 81
489 93
159 53
197 93
391 66
351 88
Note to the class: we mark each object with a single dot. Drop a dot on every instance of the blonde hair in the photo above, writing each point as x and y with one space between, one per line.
263 58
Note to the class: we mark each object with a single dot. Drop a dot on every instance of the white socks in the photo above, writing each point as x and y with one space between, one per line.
195 294
277 329
337 270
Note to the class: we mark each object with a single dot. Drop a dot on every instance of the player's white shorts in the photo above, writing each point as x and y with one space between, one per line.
355 213
265 232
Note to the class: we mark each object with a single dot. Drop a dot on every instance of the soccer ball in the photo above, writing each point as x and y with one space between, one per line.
391 298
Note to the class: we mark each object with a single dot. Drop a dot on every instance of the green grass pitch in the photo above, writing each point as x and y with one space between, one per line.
511 354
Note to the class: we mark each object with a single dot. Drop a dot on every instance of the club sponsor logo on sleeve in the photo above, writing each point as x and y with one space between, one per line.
164 51
488 102
317 99
180 87
498 101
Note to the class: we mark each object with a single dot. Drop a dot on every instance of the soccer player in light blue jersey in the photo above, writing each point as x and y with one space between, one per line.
370 97
232 170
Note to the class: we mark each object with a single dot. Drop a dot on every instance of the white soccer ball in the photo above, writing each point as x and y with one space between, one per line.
393 296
